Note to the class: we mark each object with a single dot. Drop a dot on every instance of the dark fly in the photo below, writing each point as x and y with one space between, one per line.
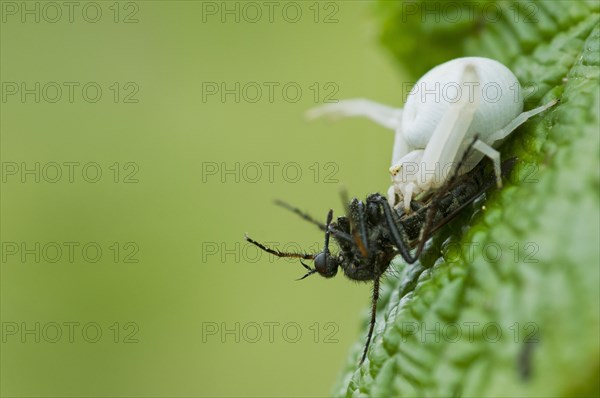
372 233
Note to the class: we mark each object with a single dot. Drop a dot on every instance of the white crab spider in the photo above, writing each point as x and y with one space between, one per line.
444 111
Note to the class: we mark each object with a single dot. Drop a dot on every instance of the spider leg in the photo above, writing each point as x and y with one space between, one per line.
300 213
383 115
519 120
494 155
401 147
448 136
507 166
373 317
426 229
277 252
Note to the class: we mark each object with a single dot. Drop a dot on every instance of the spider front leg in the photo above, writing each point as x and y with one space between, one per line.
383 115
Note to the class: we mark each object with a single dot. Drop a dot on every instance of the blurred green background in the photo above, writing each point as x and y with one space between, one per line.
174 273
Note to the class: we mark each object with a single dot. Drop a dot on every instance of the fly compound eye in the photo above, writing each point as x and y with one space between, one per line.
321 263
325 264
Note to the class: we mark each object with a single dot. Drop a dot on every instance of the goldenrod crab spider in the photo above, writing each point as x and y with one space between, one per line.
445 110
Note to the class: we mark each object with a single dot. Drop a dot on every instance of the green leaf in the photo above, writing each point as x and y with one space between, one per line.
525 264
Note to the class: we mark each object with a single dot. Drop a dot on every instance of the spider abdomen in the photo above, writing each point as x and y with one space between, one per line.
500 99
